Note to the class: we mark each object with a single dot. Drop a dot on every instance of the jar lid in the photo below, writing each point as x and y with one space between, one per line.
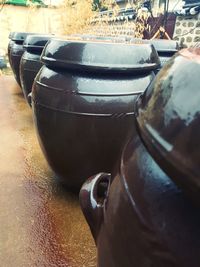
20 36
100 56
36 42
168 117
161 45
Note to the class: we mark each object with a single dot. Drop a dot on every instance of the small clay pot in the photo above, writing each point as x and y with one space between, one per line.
147 216
30 62
16 51
83 101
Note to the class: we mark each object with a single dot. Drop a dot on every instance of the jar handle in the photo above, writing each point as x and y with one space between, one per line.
93 196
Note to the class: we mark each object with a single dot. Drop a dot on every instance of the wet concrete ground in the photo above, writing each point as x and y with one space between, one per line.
41 224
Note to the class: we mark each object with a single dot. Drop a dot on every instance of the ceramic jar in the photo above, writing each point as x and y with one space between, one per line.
16 51
83 101
10 44
148 215
171 134
165 48
30 62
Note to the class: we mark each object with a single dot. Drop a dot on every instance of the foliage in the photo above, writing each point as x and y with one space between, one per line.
75 15
141 23
96 5
102 5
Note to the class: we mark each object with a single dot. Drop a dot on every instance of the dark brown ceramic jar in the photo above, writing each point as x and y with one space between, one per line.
172 133
10 44
16 52
30 62
144 218
165 48
83 103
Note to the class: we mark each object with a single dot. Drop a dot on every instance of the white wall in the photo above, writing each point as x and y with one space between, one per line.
18 18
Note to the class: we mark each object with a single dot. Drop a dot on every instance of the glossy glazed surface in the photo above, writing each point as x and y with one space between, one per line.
82 117
41 224
168 118
165 48
15 52
100 56
139 216
82 122
19 37
30 62
143 219
10 44
36 42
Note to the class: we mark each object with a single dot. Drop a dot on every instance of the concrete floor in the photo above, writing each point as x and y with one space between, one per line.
41 224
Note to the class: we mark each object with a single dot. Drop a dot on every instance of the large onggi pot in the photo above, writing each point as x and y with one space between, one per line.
83 103
144 217
171 126
16 51
30 62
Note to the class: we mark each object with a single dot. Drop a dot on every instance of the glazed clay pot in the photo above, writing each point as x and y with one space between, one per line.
16 52
144 217
172 133
83 103
10 44
30 62
165 48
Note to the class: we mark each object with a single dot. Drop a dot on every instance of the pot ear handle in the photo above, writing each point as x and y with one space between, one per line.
93 196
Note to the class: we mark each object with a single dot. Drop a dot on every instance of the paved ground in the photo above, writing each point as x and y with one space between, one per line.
41 224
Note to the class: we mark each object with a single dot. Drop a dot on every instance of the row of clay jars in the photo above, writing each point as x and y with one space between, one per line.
33 46
24 51
30 46
15 52
83 101
149 215
30 65
27 46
